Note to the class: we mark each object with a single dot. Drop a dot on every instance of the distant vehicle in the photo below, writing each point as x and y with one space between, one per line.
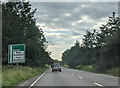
56 67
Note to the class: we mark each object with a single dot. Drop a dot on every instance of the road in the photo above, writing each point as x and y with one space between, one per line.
70 77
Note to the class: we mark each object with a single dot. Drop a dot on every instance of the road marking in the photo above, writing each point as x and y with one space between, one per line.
72 74
98 84
98 74
38 79
80 77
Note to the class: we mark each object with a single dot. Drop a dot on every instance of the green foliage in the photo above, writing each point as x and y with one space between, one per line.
99 48
108 53
66 66
89 39
12 75
19 27
79 67
113 71
79 55
89 68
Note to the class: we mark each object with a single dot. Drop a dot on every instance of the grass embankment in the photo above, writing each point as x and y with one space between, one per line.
12 76
91 68
113 71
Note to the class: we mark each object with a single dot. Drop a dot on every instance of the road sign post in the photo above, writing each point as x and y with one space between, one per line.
16 53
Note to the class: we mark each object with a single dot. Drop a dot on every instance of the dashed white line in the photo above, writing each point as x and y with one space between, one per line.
72 74
98 84
80 77
98 74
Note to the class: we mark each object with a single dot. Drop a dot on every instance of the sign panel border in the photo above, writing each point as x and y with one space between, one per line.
10 51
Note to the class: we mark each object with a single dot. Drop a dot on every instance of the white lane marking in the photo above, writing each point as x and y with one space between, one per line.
72 74
98 74
80 77
98 84
38 79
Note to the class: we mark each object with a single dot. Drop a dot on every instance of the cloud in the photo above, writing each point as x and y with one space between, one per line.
52 24
40 24
76 9
55 11
100 22
67 14
84 19
75 33
56 19
63 42
73 0
65 22
84 5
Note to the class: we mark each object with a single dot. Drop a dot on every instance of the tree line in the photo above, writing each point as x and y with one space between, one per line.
99 48
19 27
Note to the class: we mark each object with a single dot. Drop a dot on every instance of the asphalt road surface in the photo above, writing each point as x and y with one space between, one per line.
70 77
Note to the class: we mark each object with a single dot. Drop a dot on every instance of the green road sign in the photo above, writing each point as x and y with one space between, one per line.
16 53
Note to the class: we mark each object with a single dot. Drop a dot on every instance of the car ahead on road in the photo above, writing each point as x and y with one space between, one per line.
56 67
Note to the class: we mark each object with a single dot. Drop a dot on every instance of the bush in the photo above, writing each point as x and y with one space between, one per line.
113 71
89 68
66 66
79 67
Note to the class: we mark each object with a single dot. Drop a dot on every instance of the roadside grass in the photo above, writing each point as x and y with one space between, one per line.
88 68
12 76
66 66
91 68
113 71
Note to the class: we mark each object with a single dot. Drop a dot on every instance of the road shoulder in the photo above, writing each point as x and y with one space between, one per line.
31 80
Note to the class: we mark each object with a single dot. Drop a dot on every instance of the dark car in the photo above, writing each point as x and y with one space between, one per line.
56 67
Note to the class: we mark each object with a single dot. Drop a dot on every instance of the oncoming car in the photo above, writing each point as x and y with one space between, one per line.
56 67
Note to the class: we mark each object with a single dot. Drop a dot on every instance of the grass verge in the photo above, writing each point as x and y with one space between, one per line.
88 68
113 72
12 76
91 68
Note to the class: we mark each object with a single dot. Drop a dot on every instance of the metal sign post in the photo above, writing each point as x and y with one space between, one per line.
17 65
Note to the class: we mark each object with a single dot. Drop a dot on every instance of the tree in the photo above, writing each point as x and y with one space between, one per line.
107 30
89 40
98 48
19 26
108 38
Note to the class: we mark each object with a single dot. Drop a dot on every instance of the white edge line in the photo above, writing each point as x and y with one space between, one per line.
38 79
98 84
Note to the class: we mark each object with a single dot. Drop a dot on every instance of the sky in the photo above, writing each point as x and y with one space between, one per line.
65 22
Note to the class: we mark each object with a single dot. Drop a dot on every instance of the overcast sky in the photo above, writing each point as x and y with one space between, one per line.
65 22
